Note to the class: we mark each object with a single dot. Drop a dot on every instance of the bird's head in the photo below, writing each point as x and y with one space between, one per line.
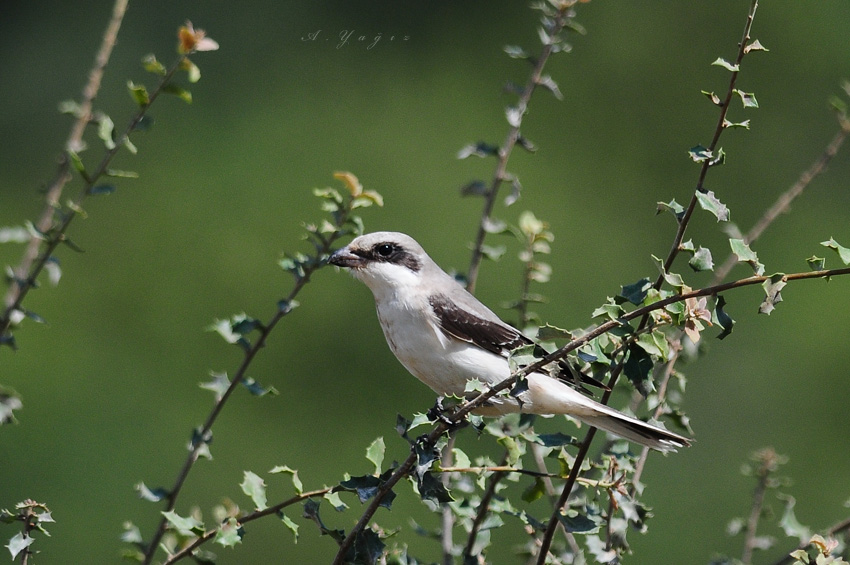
384 261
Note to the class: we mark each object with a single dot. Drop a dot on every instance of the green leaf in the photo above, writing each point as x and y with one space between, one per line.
151 65
101 189
610 310
375 453
673 207
515 52
655 343
721 318
534 491
292 526
121 174
556 440
755 45
253 485
493 252
701 261
577 523
549 84
480 149
129 145
256 389
713 97
550 333
721 62
746 255
296 482
843 252
139 93
219 384
105 129
367 486
178 91
151 495
18 543
745 124
638 369
789 523
673 279
77 163
475 188
748 99
636 292
772 288
229 534
816 263
709 202
512 449
698 153
187 526
431 488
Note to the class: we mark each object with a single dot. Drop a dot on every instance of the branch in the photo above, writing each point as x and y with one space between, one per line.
563 16
54 191
209 534
34 261
842 526
499 473
265 330
718 130
783 203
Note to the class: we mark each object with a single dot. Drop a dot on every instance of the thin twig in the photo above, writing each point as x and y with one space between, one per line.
500 174
54 190
209 534
483 508
783 202
239 376
768 462
447 516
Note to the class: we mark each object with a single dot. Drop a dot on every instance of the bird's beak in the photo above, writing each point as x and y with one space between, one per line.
345 258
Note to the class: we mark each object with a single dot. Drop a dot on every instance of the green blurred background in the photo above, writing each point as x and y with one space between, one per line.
110 383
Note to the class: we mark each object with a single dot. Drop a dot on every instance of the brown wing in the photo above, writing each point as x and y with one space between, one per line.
493 336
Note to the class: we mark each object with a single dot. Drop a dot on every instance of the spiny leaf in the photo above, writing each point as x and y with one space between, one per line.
721 62
701 261
755 45
843 252
296 482
698 153
638 369
185 525
230 533
139 93
178 91
721 318
18 543
673 207
772 288
713 97
149 494
816 263
746 255
636 292
709 202
375 453
219 384
748 99
253 485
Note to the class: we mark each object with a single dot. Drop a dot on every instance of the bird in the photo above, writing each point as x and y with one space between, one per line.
446 337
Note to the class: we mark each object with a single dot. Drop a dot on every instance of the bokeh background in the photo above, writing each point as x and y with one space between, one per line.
110 383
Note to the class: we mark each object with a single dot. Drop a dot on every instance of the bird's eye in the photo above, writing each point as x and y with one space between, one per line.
385 249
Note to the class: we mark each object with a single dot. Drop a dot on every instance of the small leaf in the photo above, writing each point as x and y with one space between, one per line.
257 389
292 526
721 318
638 369
77 163
843 252
187 526
219 384
229 534
636 292
475 188
772 288
253 485
746 255
375 453
18 543
701 261
192 70
101 189
745 124
577 523
515 52
516 189
151 495
816 263
748 99
534 491
121 174
430 488
549 84
673 207
296 482
178 91
713 97
549 333
556 440
105 129
514 116
150 64
755 45
480 149
721 62
139 93
698 153
709 202
493 252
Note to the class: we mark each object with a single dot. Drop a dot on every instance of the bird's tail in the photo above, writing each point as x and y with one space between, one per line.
548 396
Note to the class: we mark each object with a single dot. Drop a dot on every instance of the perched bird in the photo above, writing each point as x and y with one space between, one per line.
446 337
